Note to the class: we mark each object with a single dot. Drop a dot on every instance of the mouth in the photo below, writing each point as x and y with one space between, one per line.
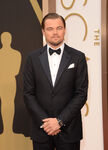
55 37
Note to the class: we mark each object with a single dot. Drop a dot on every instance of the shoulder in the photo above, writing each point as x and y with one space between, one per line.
36 53
72 51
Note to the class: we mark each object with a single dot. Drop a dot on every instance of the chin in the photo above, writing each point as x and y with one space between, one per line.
56 43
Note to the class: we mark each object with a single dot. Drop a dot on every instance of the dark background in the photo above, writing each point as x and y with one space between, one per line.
19 18
107 55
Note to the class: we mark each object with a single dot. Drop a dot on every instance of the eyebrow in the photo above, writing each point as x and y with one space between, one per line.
56 27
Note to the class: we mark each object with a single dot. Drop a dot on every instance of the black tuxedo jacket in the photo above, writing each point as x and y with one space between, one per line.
64 100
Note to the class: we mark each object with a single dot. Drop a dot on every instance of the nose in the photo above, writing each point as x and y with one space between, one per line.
55 31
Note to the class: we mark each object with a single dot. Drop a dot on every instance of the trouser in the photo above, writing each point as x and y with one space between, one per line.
53 144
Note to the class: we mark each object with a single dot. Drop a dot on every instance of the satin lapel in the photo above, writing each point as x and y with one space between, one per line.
44 61
63 65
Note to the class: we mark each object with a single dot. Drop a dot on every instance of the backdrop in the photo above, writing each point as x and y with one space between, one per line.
83 20
20 26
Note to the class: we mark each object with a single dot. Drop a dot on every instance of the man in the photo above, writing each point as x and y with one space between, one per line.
55 89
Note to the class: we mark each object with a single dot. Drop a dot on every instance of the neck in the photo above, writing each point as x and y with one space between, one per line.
6 47
55 46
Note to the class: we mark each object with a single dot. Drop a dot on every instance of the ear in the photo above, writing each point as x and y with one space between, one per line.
43 32
65 30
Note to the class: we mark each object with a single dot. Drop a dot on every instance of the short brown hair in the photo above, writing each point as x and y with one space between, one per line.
52 16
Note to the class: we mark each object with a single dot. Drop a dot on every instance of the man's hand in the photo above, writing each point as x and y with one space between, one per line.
51 126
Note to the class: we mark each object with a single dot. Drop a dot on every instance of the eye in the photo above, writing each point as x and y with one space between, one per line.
49 29
59 28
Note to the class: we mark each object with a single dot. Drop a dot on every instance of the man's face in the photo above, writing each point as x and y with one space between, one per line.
54 32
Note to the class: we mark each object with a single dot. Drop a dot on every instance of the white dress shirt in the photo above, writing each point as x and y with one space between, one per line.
54 62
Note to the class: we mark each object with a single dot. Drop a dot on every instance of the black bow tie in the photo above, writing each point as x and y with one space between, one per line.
51 51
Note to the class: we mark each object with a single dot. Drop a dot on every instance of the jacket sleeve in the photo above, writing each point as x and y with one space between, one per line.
74 106
29 91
